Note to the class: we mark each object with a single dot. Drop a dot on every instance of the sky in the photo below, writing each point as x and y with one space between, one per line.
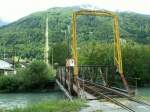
12 10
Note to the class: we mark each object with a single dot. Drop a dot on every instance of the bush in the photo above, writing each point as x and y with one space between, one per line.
38 74
8 83
35 77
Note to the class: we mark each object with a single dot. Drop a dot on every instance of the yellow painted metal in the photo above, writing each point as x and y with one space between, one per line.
74 45
117 52
117 47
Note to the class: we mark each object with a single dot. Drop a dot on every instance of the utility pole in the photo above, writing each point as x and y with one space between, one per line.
4 59
68 43
14 55
4 55
52 57
46 42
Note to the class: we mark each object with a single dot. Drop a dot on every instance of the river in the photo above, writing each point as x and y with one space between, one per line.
145 92
12 100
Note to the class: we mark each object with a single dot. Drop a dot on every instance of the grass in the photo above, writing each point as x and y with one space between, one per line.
51 106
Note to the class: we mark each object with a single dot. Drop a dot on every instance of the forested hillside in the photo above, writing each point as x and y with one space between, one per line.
27 34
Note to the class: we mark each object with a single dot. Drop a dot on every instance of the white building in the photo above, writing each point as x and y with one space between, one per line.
5 67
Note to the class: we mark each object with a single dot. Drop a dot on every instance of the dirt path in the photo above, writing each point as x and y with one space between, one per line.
97 106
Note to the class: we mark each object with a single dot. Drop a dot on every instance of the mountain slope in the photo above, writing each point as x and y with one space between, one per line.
27 34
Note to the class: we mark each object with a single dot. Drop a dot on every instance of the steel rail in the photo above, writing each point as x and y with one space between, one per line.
110 99
116 92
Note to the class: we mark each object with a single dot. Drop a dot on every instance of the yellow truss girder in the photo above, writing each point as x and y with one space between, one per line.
117 48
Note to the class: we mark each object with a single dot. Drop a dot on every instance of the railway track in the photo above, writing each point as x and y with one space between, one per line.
109 94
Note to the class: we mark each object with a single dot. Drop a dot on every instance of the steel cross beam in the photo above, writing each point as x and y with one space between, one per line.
117 48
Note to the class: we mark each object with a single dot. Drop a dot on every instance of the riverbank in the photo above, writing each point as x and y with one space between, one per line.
51 106
54 102
36 77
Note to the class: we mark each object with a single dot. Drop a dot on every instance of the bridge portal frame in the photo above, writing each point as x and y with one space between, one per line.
117 47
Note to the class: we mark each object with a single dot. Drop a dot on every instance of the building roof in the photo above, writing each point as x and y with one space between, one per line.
4 65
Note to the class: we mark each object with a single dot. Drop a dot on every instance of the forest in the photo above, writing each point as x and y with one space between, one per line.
25 39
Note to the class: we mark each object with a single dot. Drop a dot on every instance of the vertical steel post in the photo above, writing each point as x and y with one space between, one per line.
74 45
117 52
117 47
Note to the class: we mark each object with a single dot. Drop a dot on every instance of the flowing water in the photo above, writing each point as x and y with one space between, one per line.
145 92
13 100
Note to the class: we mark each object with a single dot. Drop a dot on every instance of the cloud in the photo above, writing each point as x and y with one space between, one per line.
12 10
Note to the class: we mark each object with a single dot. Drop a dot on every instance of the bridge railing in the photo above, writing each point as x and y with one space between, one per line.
105 75
95 73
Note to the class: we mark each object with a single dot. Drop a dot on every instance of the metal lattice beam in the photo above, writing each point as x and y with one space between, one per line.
117 48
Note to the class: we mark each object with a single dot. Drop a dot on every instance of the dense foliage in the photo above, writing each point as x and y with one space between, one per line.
37 76
136 59
26 35
95 38
58 53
